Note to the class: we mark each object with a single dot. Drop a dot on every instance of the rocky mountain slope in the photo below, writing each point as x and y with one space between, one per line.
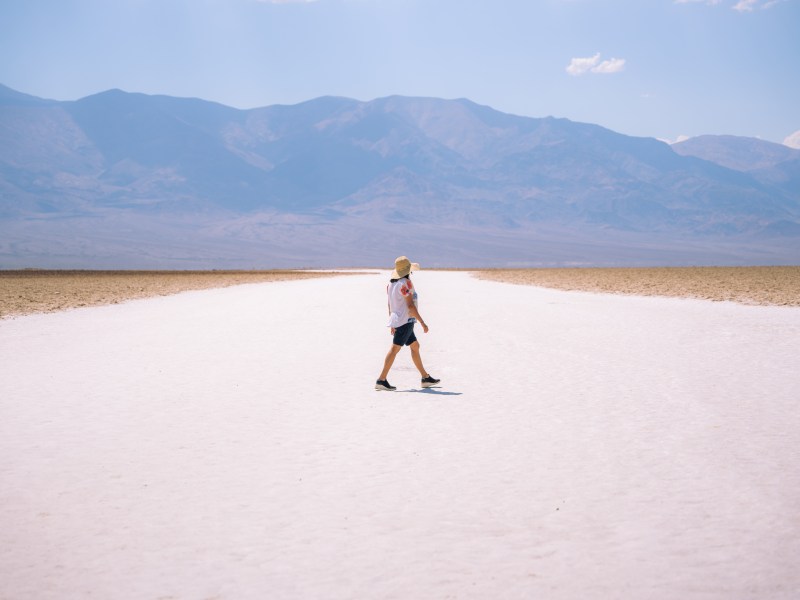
121 179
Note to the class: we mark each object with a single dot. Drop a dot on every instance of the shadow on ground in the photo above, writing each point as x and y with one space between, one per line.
431 391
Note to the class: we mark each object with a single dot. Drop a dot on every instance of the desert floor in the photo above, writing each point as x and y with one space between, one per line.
228 443
778 286
35 291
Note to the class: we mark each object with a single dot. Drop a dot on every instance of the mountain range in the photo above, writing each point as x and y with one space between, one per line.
126 180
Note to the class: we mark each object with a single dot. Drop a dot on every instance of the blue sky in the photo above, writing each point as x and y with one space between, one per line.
659 68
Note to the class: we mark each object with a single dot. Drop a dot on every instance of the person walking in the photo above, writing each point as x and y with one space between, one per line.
403 313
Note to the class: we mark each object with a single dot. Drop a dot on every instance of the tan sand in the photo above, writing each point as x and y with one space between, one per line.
36 291
746 285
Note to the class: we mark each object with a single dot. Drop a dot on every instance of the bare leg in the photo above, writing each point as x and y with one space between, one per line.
389 361
415 356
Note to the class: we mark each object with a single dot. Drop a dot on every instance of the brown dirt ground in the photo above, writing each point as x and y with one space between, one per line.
36 291
777 286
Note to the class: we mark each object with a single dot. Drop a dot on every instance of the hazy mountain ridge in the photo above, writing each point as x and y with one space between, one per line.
325 181
735 152
770 163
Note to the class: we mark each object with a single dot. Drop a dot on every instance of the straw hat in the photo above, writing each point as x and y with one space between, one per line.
402 267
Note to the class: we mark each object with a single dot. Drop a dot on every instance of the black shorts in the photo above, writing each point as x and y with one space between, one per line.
404 335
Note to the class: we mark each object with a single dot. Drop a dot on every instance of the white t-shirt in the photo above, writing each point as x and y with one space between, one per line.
398 291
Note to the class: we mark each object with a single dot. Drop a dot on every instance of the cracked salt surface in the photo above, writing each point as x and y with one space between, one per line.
229 443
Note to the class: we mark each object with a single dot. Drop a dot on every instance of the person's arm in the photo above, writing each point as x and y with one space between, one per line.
412 310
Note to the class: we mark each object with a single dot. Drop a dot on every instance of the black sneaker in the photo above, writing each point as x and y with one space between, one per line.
429 381
383 385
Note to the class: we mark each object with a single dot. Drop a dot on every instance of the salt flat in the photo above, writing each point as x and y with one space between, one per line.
228 444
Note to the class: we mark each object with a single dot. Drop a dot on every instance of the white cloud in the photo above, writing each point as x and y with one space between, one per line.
613 65
679 139
745 5
592 64
793 140
751 5
740 5
579 66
